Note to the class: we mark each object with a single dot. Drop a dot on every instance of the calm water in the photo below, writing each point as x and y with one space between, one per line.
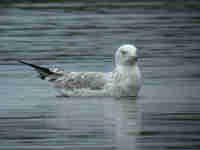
83 37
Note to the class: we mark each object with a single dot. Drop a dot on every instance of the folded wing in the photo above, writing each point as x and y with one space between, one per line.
82 80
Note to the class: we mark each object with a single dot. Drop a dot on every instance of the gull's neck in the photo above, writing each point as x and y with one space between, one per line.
126 68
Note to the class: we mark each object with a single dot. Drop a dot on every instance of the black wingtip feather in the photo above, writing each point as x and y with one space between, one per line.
43 71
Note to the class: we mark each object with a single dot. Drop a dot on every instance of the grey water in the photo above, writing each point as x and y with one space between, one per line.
82 36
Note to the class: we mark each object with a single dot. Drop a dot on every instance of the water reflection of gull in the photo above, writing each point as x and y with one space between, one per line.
124 80
123 112
104 122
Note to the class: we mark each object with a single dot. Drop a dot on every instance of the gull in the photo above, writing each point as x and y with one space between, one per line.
124 80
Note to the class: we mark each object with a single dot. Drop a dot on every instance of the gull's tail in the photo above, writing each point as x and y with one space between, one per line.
44 72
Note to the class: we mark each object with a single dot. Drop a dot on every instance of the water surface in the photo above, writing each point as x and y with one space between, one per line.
82 36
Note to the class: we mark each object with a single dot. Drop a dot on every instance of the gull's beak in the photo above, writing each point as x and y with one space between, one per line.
135 58
132 59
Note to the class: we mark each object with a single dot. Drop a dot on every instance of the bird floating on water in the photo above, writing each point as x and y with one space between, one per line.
124 80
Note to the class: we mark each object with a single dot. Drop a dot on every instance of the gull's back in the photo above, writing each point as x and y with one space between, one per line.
84 83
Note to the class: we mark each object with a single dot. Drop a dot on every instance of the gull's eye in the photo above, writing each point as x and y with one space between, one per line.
123 52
